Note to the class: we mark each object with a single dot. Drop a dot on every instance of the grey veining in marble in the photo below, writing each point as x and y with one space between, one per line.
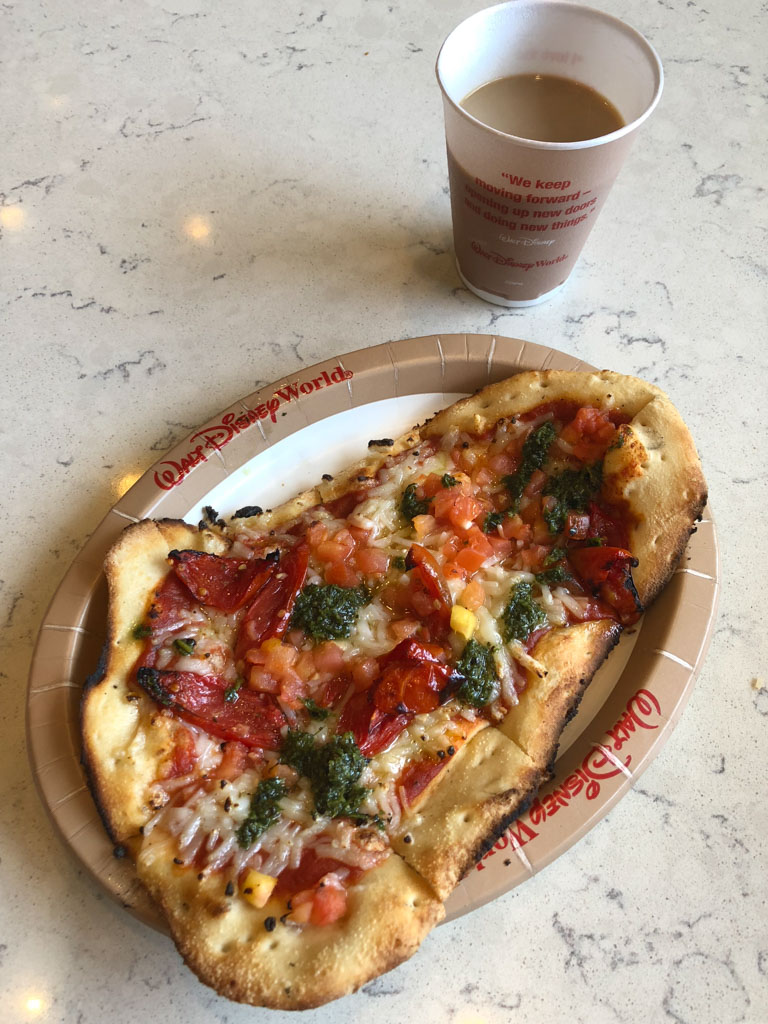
196 198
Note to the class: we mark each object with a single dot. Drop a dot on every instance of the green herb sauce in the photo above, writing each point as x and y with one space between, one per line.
329 612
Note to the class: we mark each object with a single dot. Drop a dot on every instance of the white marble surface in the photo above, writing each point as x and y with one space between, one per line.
199 197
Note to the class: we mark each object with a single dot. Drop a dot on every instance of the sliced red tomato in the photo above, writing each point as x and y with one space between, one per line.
416 777
219 582
169 606
609 524
411 687
309 872
607 573
251 718
413 678
374 730
430 576
269 613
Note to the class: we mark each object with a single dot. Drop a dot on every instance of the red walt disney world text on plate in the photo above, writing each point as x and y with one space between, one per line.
170 473
603 762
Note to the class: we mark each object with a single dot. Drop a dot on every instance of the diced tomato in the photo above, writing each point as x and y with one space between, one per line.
331 552
473 595
422 525
342 574
401 629
453 571
501 548
503 463
328 657
316 534
431 485
470 560
262 681
224 583
536 484
514 528
184 755
425 564
589 433
364 671
577 526
252 718
607 573
233 763
482 477
330 902
305 666
269 613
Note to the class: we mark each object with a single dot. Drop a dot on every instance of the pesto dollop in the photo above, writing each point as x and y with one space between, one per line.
263 811
326 611
411 506
522 614
534 455
477 666
333 769
573 489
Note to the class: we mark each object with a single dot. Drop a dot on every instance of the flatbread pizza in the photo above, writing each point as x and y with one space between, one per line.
313 720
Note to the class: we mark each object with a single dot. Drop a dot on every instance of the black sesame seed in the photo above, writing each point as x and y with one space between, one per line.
270 923
407 839
451 751
119 852
227 803
177 860
200 877
327 476
222 783
441 754
272 556
230 889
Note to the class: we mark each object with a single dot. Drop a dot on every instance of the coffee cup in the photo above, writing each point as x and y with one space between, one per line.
523 206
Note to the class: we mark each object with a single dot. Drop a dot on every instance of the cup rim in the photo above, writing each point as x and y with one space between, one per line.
600 140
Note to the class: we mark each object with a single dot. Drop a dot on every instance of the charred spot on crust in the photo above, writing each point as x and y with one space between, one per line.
247 511
383 442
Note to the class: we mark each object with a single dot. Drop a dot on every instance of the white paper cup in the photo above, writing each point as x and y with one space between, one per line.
522 209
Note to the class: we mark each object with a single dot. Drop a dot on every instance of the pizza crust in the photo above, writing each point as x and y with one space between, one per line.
121 754
571 656
488 783
224 940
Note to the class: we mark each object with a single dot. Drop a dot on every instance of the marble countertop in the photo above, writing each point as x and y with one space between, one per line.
196 199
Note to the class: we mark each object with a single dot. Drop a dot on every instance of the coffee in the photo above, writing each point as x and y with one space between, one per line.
546 108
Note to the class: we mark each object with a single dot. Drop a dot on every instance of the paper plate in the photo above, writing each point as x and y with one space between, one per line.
274 443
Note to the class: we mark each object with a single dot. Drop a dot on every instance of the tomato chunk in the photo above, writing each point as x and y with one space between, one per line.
429 574
607 573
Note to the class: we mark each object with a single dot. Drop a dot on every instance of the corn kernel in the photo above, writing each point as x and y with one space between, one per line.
463 621
272 644
257 888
